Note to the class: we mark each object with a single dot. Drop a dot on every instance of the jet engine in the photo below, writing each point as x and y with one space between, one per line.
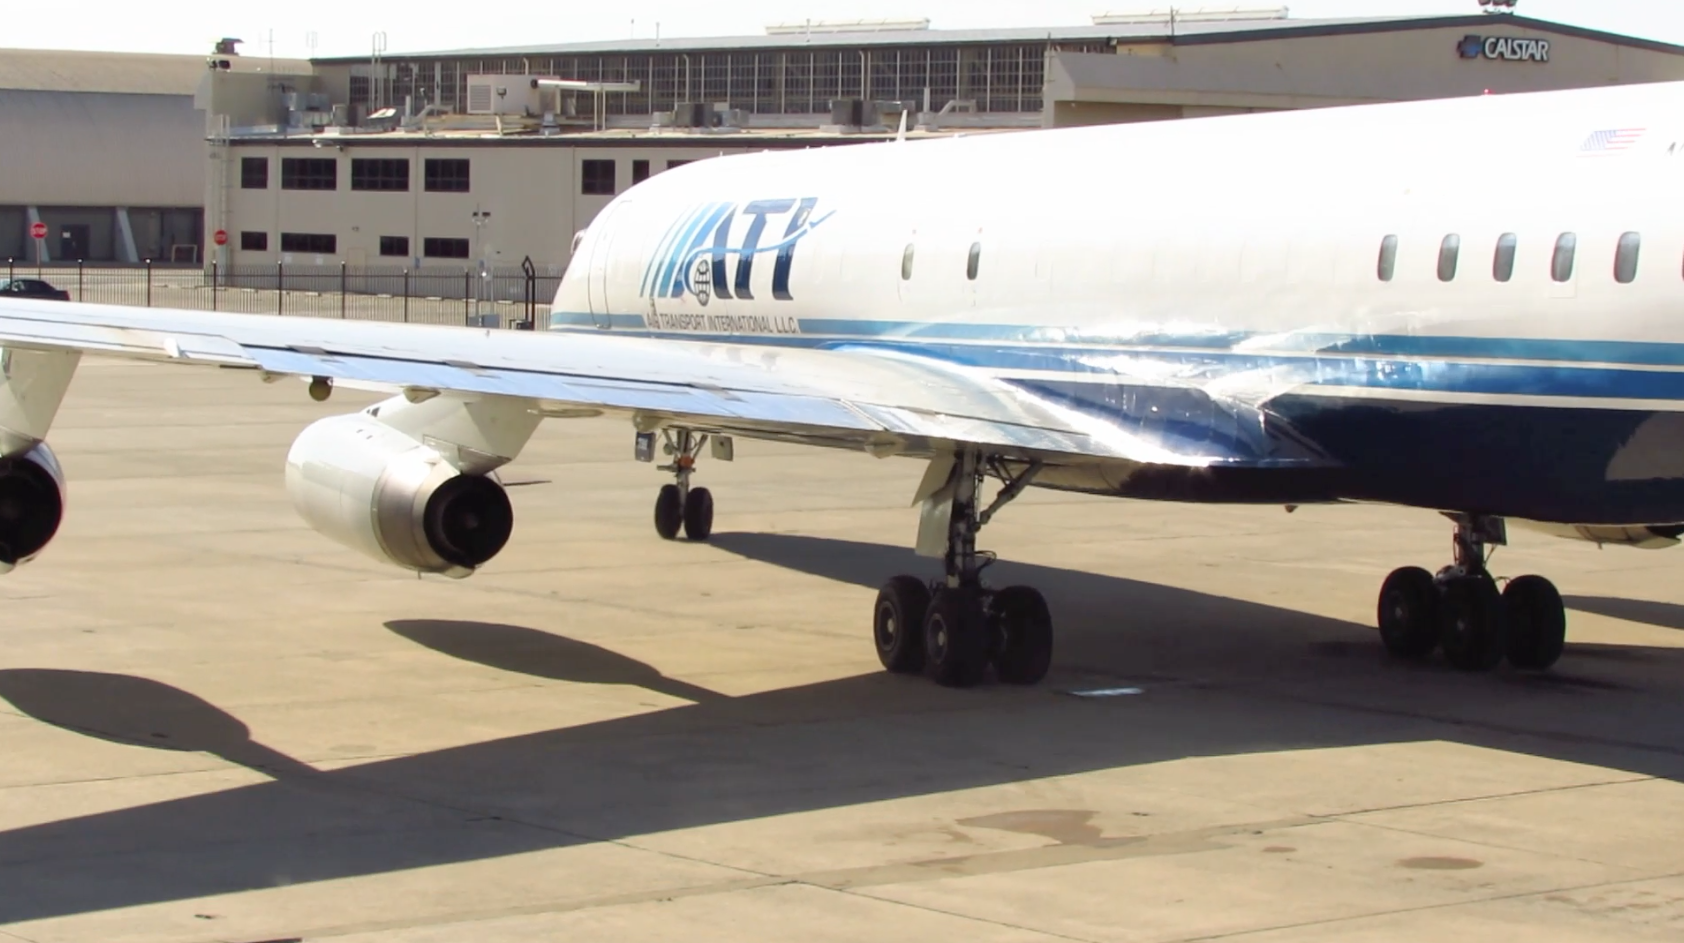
1644 537
385 494
31 504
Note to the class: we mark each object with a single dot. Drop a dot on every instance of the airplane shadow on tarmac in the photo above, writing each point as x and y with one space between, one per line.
1222 677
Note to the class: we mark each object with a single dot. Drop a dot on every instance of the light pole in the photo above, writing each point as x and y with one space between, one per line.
481 219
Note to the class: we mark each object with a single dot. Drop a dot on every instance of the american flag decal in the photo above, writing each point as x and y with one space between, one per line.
1617 139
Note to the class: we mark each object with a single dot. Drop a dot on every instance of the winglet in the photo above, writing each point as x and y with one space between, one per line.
901 134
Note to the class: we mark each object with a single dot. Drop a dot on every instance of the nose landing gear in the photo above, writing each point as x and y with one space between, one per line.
678 505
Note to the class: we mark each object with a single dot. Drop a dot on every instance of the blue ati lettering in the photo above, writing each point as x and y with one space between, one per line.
709 252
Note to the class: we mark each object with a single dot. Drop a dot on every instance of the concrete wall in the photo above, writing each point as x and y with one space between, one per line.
101 149
531 192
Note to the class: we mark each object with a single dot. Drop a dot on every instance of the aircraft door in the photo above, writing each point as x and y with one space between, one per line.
601 239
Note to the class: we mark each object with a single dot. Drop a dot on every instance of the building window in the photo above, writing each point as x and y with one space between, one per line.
1561 263
380 174
671 164
254 242
1625 258
317 242
906 263
1449 251
444 248
394 245
973 260
447 175
1502 263
309 173
640 171
254 173
597 178
1387 266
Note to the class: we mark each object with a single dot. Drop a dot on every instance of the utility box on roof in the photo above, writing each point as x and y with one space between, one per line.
505 95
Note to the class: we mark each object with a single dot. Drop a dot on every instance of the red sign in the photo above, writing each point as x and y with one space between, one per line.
38 230
221 237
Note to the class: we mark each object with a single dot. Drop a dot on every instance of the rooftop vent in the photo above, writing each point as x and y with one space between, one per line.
1190 15
845 26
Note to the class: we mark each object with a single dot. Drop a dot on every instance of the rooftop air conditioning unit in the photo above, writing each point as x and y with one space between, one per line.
504 95
692 115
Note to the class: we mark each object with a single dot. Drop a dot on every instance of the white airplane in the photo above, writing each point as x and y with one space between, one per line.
1471 306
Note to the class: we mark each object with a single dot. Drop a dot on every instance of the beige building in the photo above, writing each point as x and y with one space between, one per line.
107 151
459 160
549 134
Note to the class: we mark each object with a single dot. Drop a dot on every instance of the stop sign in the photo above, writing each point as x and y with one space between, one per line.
37 230
221 237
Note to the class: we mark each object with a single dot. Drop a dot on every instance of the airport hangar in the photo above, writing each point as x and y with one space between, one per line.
487 157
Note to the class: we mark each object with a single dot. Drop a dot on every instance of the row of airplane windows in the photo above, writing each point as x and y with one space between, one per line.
1502 259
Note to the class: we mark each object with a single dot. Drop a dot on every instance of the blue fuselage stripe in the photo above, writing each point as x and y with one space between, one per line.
1486 366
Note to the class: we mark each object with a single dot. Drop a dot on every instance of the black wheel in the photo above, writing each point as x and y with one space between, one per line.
897 624
698 514
1023 635
1537 622
1408 614
1471 624
669 511
955 638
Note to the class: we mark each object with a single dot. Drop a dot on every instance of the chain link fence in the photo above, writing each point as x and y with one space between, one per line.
517 298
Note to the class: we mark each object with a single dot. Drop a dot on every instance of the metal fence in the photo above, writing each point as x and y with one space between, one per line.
494 297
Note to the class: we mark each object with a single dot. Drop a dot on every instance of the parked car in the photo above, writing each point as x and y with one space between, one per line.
31 288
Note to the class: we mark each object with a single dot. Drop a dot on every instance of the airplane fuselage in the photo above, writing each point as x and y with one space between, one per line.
1470 305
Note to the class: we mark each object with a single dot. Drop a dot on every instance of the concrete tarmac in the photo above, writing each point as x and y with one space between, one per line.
219 726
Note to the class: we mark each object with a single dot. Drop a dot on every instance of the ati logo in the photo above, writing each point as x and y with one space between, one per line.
709 251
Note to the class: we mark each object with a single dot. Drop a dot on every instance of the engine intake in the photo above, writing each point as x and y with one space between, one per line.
31 505
381 492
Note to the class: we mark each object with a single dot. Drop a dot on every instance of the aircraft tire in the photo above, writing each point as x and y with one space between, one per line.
698 514
1537 622
1472 623
897 624
1023 632
956 638
669 512
1407 613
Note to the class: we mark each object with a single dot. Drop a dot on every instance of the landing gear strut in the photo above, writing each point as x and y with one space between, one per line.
1461 611
678 505
954 630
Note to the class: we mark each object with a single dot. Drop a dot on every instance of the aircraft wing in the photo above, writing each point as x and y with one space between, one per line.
882 401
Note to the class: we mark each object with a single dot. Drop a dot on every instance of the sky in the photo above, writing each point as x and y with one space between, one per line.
302 28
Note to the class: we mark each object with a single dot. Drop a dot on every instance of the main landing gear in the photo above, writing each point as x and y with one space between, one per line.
1461 611
679 506
955 629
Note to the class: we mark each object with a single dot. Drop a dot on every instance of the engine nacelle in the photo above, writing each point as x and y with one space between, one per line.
381 492
31 504
1644 537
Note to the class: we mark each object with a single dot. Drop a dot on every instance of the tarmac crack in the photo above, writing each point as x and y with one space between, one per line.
1424 908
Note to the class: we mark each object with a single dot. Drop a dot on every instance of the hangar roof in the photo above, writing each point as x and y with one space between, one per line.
55 70
1184 33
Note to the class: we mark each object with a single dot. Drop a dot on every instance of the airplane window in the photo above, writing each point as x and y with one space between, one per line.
1561 264
906 263
1502 265
1625 258
1388 258
1448 252
974 260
